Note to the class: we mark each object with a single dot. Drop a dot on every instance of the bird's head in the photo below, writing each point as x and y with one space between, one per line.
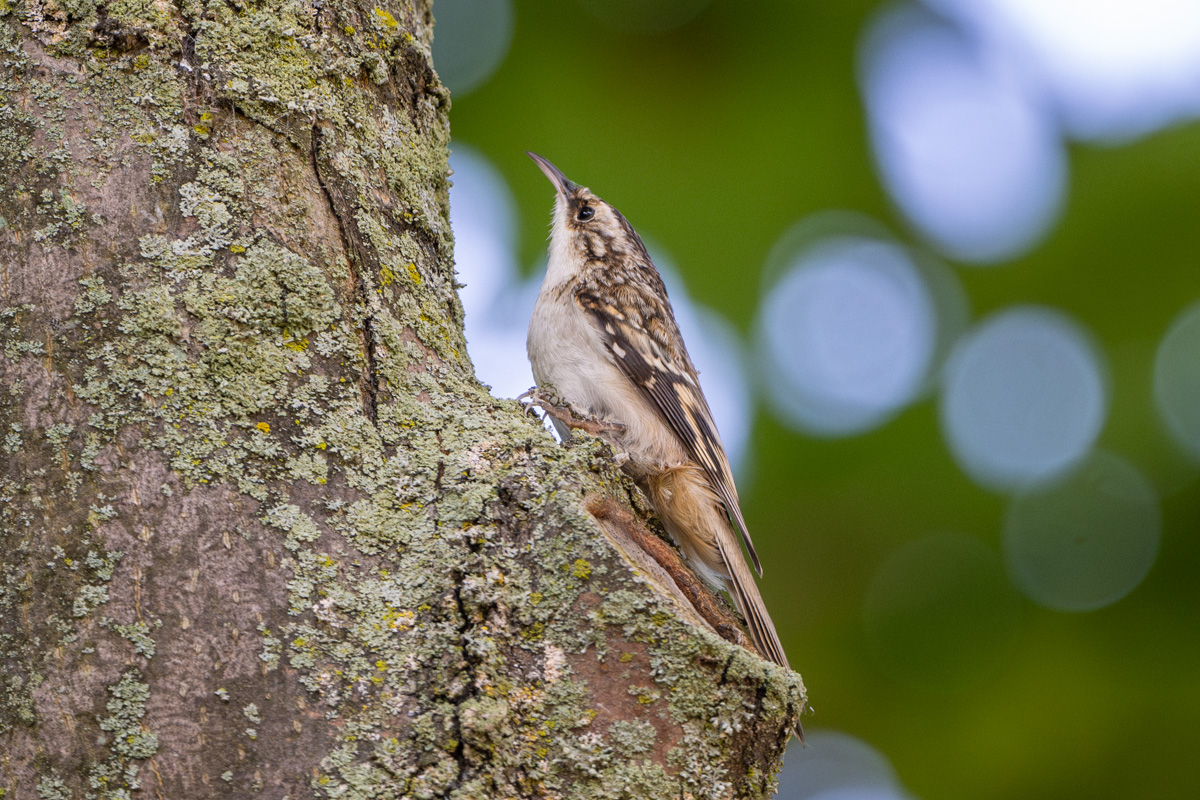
585 226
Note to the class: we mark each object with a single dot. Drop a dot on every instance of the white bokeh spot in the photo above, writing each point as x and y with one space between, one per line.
1024 397
1115 69
471 41
1177 380
966 153
837 766
1086 540
848 335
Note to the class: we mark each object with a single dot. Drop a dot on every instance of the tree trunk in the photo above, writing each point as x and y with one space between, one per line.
263 532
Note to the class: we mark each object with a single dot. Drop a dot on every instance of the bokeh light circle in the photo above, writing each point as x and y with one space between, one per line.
836 765
940 613
471 39
1085 540
848 334
1024 397
1177 380
1116 69
972 161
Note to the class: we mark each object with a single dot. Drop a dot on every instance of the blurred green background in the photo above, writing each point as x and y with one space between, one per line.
988 628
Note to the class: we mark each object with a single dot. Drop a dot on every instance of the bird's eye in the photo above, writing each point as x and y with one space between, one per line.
585 213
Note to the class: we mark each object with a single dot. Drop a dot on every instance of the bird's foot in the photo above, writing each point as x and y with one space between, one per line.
547 400
539 397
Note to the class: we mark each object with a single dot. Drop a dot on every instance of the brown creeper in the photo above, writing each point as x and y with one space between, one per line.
604 336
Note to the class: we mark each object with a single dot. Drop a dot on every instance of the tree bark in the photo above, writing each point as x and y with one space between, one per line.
263 532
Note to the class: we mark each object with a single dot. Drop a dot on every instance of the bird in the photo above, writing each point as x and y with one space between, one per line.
608 357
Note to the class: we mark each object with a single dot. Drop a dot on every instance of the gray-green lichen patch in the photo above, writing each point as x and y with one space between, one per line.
126 707
93 295
631 738
51 787
128 739
138 635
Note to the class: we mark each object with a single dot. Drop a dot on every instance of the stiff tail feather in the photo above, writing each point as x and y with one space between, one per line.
696 519
745 594
744 591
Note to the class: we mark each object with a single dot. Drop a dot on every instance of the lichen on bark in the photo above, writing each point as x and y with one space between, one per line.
263 530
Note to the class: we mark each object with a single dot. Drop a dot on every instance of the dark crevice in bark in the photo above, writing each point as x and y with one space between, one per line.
112 34
187 55
472 662
199 84
362 257
486 609
785 731
411 79
458 576
725 670
760 694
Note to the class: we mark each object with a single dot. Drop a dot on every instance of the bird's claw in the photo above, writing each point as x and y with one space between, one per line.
547 400
540 397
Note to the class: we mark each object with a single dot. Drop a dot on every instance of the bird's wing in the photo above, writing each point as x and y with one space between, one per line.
648 349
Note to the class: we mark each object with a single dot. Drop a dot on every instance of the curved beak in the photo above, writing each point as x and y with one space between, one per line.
564 186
